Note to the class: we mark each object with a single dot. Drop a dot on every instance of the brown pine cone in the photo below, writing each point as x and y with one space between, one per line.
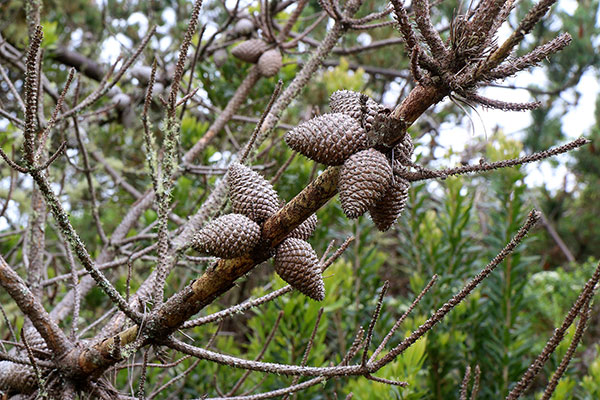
305 229
388 208
229 236
269 63
220 57
250 50
243 27
296 263
350 103
250 194
403 151
364 179
329 139
21 379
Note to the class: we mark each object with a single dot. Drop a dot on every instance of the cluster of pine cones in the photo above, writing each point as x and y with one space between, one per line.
352 136
252 50
253 201
257 51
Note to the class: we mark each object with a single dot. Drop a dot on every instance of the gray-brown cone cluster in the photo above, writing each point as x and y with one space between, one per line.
229 236
296 263
250 50
364 179
250 194
269 63
388 208
329 139
254 200
351 135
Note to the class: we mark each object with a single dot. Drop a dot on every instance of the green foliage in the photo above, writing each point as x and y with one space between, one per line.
591 381
504 340
50 34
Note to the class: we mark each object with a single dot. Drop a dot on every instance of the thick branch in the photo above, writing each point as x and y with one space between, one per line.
83 64
54 337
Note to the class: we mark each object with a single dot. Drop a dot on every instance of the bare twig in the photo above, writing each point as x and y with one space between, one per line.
88 176
74 282
26 361
142 382
386 381
465 384
354 348
15 286
400 320
282 169
8 324
174 380
475 389
584 317
423 174
179 68
374 318
34 364
75 241
11 163
52 158
57 109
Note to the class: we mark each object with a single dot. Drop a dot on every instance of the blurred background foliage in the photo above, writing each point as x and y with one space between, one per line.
451 228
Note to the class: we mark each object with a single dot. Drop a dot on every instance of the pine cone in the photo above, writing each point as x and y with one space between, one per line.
34 339
296 263
244 27
269 63
388 208
250 50
250 194
350 103
403 151
329 139
305 229
220 57
18 378
229 236
364 178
